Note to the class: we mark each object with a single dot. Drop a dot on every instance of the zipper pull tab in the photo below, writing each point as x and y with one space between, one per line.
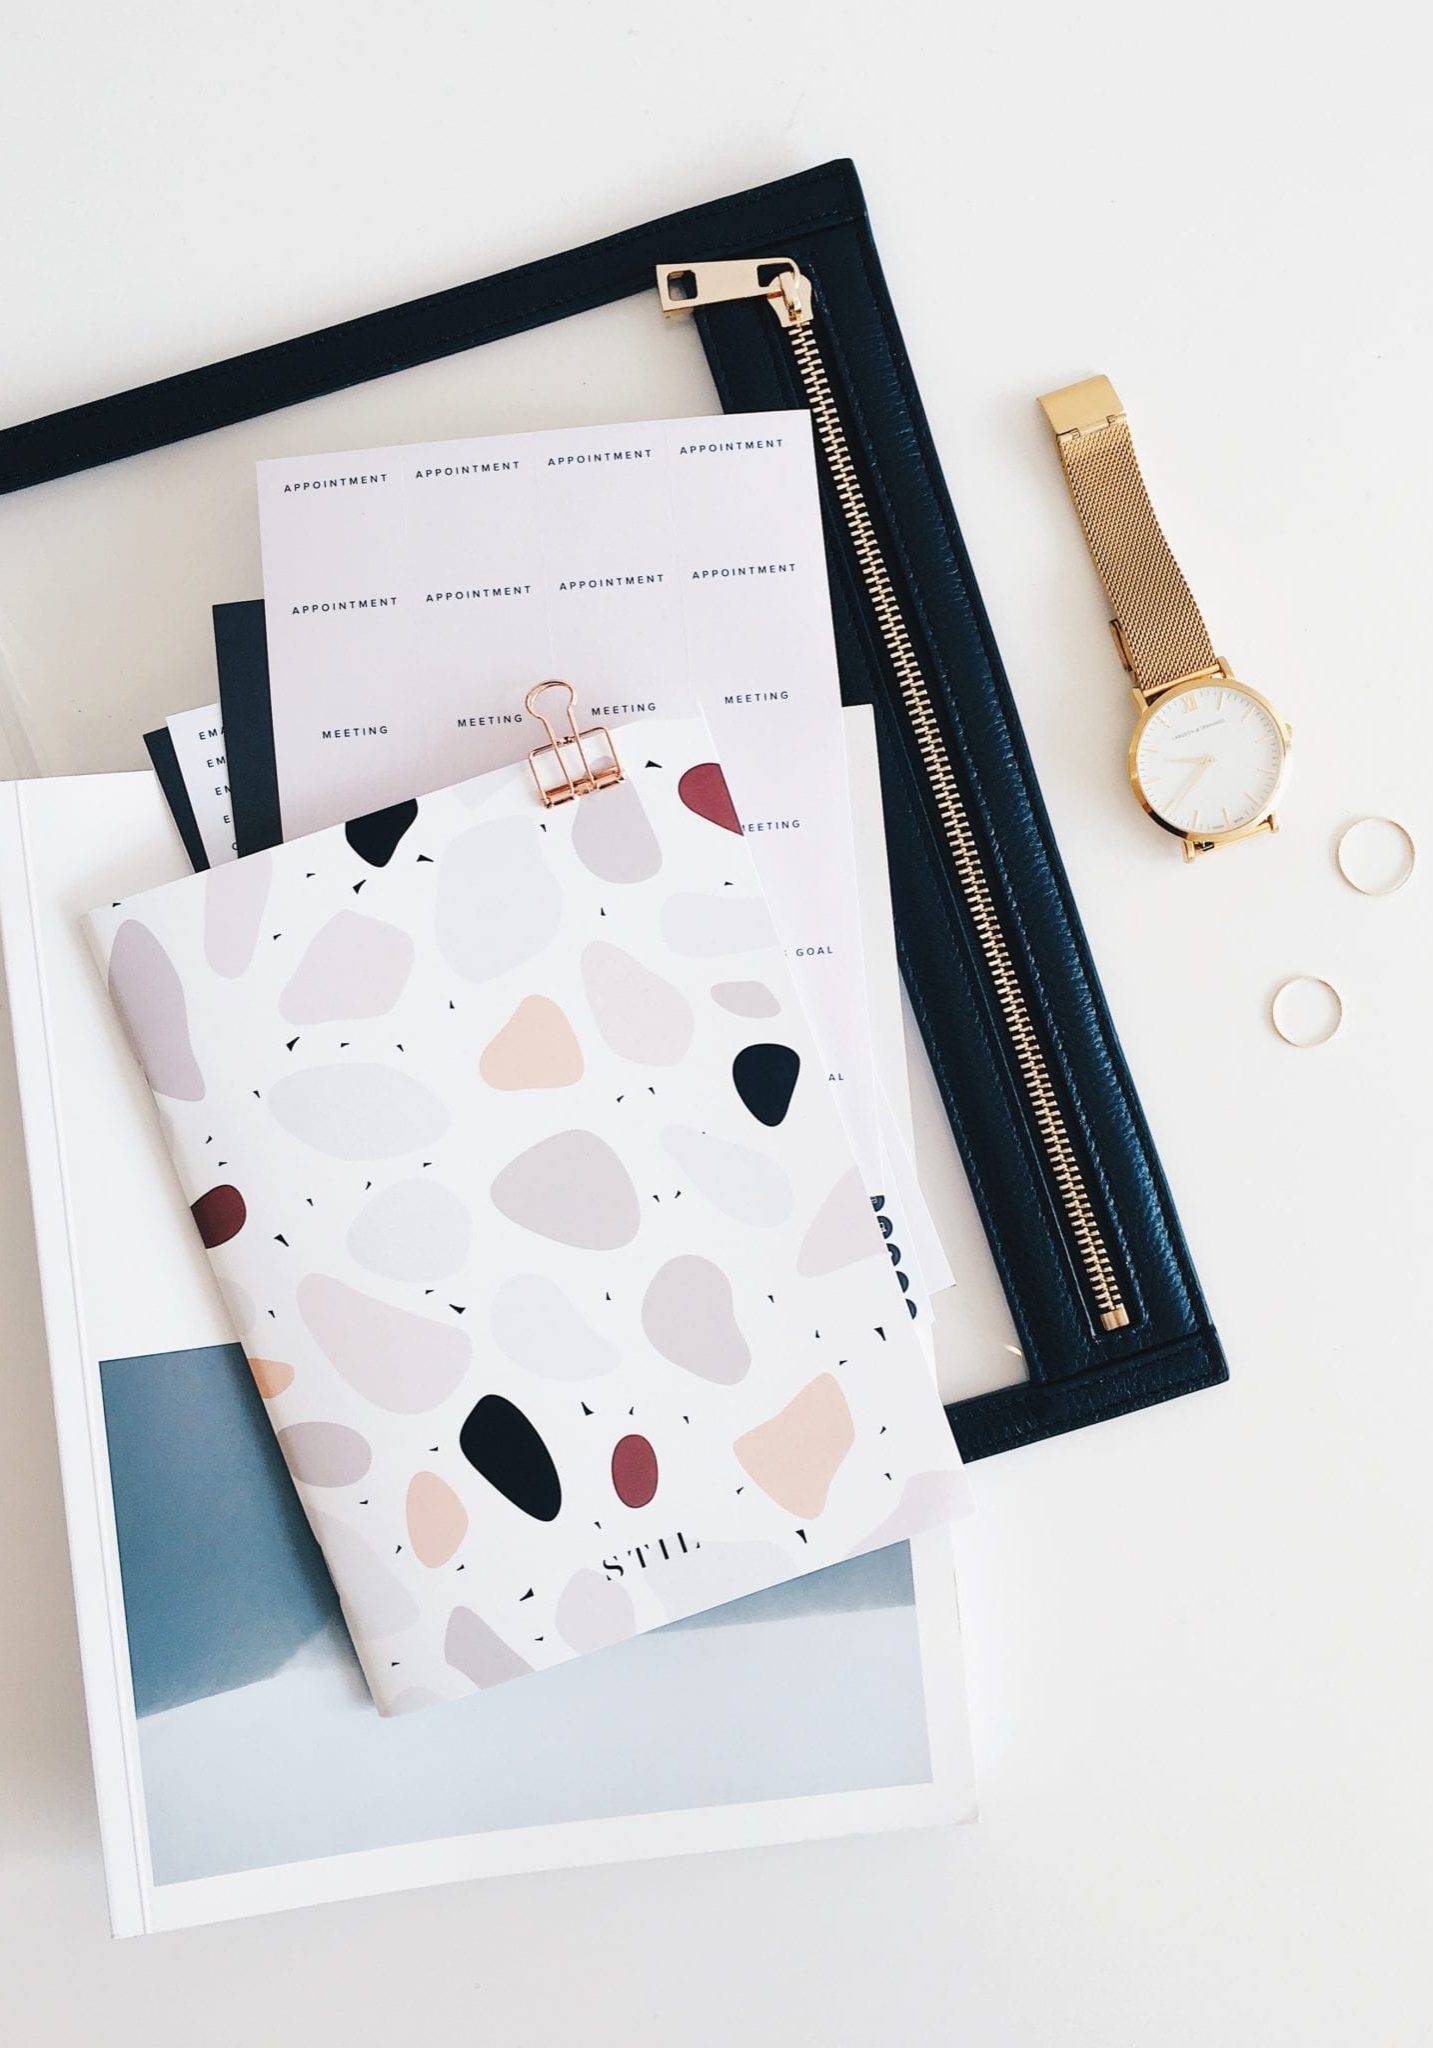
685 287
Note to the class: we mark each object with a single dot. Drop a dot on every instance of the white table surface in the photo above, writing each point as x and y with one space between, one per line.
1199 1638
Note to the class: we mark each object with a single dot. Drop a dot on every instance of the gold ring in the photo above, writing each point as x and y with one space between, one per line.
1389 888
1305 981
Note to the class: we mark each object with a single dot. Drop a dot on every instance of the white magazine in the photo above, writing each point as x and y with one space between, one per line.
836 1708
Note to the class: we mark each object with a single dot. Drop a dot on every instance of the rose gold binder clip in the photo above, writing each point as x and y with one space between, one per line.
565 768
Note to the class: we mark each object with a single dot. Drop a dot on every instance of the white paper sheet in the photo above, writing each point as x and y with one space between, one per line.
415 593
198 738
920 1241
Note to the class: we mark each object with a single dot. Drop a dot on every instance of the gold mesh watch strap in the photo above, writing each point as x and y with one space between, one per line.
1161 636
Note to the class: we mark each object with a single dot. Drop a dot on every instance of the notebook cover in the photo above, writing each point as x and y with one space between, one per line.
535 1215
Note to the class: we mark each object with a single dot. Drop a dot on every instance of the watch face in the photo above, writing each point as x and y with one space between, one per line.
1209 758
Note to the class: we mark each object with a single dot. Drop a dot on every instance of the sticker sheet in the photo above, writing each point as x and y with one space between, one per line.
531 1204
664 567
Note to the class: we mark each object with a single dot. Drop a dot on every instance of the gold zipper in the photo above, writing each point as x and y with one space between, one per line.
683 288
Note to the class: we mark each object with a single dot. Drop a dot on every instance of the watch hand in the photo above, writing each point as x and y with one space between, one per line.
1204 762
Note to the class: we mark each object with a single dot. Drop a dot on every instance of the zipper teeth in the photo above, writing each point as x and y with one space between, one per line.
960 839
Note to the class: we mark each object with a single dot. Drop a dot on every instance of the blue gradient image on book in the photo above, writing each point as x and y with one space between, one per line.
260 1744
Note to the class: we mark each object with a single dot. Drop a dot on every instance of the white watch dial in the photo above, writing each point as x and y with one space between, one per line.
1209 759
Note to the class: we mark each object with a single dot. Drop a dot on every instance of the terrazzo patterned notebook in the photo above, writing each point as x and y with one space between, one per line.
535 1215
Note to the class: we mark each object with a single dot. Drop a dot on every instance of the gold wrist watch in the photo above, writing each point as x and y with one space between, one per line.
1209 755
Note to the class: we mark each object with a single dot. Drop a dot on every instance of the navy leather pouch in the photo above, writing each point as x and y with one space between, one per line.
1104 1298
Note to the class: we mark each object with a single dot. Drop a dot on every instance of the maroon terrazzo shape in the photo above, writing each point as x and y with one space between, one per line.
703 790
220 1214
634 1471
